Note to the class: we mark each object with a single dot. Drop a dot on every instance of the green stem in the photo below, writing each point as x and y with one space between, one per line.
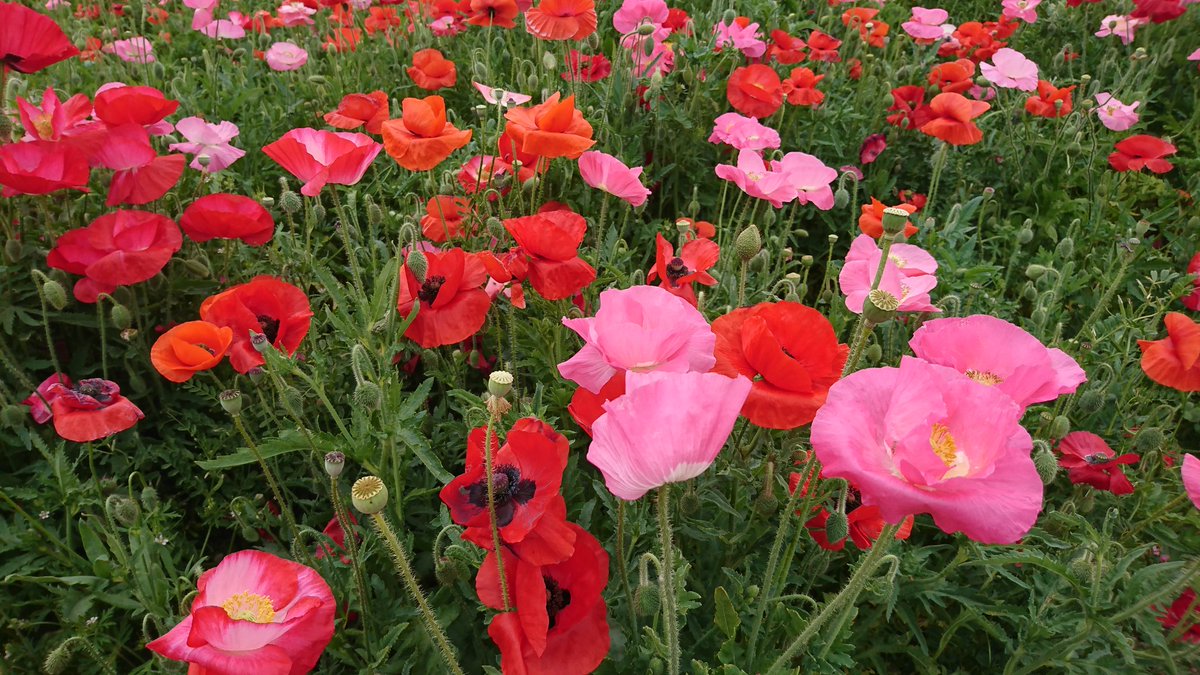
667 581
1106 298
623 568
284 507
344 230
939 163
42 279
491 498
343 517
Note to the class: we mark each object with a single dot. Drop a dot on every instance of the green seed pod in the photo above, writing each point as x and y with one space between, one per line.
1045 462
837 527
55 294
1060 427
895 220
1148 439
873 353
369 495
231 401
500 383
368 395
121 318
880 306
748 243
335 462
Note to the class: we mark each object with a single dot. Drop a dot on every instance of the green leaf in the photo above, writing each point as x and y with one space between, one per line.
420 447
288 441
727 615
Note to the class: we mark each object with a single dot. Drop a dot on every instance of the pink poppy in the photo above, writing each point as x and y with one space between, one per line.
284 56
218 29
254 613
743 133
209 143
1121 26
665 428
41 167
39 400
872 147
501 97
1190 472
1114 115
999 354
1025 10
633 13
134 50
56 119
908 276
743 38
922 438
1010 69
926 24
639 329
809 177
661 60
293 14
605 172
753 176
1194 56
321 157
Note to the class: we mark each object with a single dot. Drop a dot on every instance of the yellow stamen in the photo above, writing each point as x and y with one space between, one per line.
247 606
943 444
984 377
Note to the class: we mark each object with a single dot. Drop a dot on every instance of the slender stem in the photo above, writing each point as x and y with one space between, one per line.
343 229
343 517
102 324
284 507
414 590
623 568
667 581
1109 292
42 279
491 499
939 163
1170 506
862 330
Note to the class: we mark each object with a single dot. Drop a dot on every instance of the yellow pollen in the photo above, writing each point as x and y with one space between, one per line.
943 444
45 127
984 377
247 606
897 261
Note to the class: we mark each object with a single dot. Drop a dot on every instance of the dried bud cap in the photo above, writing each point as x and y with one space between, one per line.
289 201
55 294
1044 461
498 406
1060 427
500 383
894 220
259 342
418 263
748 243
837 527
121 317
231 401
334 463
880 306
369 495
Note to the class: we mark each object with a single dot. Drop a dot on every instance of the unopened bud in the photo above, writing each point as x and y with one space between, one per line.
1089 402
646 599
1024 235
418 263
1045 462
748 243
760 261
289 201
1035 272
1148 439
837 527
873 353
13 250
55 294
1060 427
449 570
549 62
646 27
121 317
369 495
1065 248
368 395
841 197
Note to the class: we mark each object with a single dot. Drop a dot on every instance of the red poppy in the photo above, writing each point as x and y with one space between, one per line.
39 400
333 530
785 49
911 198
507 272
1158 11
453 303
1184 609
1174 361
432 71
488 172
142 106
871 220
755 91
31 41
855 69
908 102
676 273
1089 461
1142 151
955 76
422 138
791 353
90 410
872 147
117 249
357 110
342 40
551 241
445 218
226 216
551 129
585 407
586 68
322 157
42 167
678 21
561 19
560 624
978 41
865 524
267 306
189 348
800 87
382 20
951 119
863 20
823 47
1050 101
1192 300
493 13
147 182
700 228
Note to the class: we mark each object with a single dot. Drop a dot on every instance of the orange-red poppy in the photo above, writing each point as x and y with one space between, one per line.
955 76
422 137
871 220
800 87
951 116
432 71
493 13
1050 101
863 20
755 91
190 348
1174 361
561 19
552 129
445 218
357 110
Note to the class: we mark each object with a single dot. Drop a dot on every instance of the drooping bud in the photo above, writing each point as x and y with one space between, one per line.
837 527
1089 401
1060 427
1148 439
121 317
760 261
450 570
369 495
873 353
368 395
1065 248
1044 461
549 62
1035 272
13 250
55 294
748 243
13 415
149 498
646 600
289 201
334 463
646 27
880 306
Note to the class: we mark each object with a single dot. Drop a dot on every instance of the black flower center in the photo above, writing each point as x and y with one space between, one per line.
676 270
508 491
429 289
1097 458
557 599
270 327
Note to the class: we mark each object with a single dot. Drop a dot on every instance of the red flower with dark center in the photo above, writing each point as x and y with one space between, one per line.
1050 102
822 47
551 240
561 19
908 102
785 49
585 407
790 352
90 410
357 110
445 218
1089 461
956 76
755 91
42 167
493 13
226 216
526 476
117 249
267 306
453 303
677 273
586 67
31 41
432 71
142 106
1142 152
1185 608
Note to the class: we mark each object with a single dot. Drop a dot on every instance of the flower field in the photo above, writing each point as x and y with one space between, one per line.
549 337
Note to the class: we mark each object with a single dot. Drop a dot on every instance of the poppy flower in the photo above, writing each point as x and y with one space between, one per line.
453 303
285 56
264 305
555 128
482 173
822 47
1174 361
42 167
1190 474
1050 102
755 91
757 179
357 110
39 400
143 106
1192 300
605 172
526 475
254 613
908 106
1113 114
1179 611
871 220
322 157
955 77
909 274
333 530
743 133
147 182
422 138
507 272
1142 151
864 522
501 97
951 118
1011 69
872 147
116 249
431 71
1158 11
90 410
31 41
862 19
342 40
789 351
785 49
800 88
925 26
585 407
136 49
226 216
560 622
190 348
586 67
57 119
493 13
677 273
551 241
382 20
445 218
1089 461
209 143
808 177
742 35
561 19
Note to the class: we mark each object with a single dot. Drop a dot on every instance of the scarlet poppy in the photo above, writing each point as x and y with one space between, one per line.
551 129
90 410
422 138
755 91
822 47
551 241
871 220
908 102
561 19
954 77
382 20
142 106
226 216
145 183
585 407
342 40
493 13
432 71
1174 361
31 41
1179 611
790 352
872 147
322 157
510 153
785 49
1158 11
265 305
39 400
677 273
864 525
1192 300
445 218
487 172
951 119
1142 152
357 110
678 21
1050 101
190 348
586 67
333 530
117 249
453 303
42 167
1089 461
507 272
863 20
800 88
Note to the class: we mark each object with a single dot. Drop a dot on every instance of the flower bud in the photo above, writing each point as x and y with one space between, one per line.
334 463
121 317
1045 462
231 401
549 62
1065 248
729 16
55 294
873 353
60 657
1060 427
646 27
500 383
449 570
318 213
894 220
418 263
768 218
1147 440
841 197
1025 234
124 509
759 262
1035 272
289 201
837 527
689 503
880 306
368 395
748 243
196 268
1029 291
1089 402
369 495
149 498
646 599
13 250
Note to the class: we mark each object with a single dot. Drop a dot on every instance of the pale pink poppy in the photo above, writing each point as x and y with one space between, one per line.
1191 478
285 56
746 40
999 354
908 275
1194 56
1025 10
809 177
501 97
1010 69
209 5
55 4
1114 115
321 157
666 428
605 172
923 438
753 176
207 140
639 329
133 50
661 60
743 133
926 24
295 14
224 29
632 13
1120 26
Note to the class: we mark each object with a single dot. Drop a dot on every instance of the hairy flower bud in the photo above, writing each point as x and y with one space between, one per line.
418 263
748 243
121 317
1060 427
837 527
13 250
55 294
1044 461
1148 439
368 395
289 201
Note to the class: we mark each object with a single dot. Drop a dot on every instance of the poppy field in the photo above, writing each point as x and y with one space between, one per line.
549 337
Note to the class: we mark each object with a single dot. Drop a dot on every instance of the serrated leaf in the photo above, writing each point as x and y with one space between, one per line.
288 441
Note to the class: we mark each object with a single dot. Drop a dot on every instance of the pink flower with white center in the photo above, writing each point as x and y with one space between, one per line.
1010 69
285 56
207 140
295 14
633 13
809 177
1114 115
501 97
133 50
926 24
1121 26
1025 10
753 176
908 275
746 40
743 133
605 172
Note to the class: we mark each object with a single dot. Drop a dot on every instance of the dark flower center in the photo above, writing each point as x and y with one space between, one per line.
508 490
94 388
429 289
1097 458
676 270
557 599
270 327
